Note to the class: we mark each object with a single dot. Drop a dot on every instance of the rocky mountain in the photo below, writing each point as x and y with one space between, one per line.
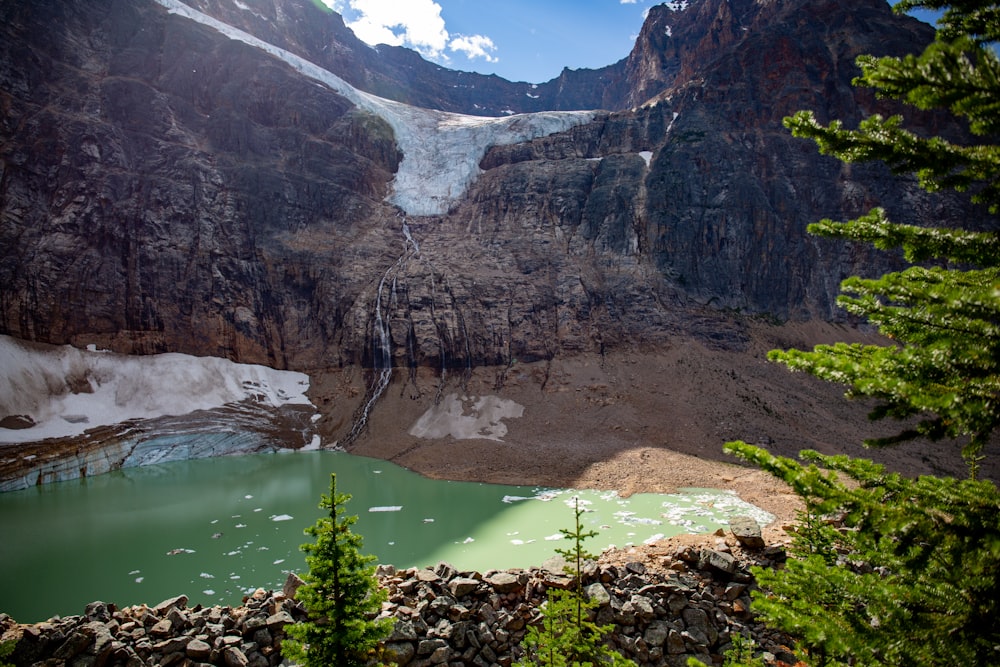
248 180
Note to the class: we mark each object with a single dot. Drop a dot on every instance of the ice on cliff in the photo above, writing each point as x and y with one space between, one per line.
441 151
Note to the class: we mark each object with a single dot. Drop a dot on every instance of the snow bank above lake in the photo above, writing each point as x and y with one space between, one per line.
65 390
465 418
441 151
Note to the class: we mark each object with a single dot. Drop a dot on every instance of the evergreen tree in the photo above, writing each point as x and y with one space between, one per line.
908 575
890 570
943 365
341 594
567 637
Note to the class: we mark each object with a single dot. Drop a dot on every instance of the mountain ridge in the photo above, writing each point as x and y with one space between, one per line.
167 188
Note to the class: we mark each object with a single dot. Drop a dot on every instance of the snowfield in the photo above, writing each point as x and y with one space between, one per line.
66 391
441 151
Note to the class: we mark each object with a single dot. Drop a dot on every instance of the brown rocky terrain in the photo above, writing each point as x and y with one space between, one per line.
636 421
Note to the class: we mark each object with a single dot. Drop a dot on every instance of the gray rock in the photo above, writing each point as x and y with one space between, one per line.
98 611
400 653
162 628
76 643
504 582
747 532
428 646
598 593
462 586
234 657
179 602
279 620
656 633
196 649
172 645
292 584
718 560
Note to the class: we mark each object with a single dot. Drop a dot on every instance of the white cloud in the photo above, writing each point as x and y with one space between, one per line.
474 46
416 24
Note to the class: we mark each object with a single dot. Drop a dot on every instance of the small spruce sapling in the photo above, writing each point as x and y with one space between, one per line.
567 637
341 594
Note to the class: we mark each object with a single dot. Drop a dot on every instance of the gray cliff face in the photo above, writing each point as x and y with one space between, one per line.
165 188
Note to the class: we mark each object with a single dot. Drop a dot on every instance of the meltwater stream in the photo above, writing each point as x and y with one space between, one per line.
214 529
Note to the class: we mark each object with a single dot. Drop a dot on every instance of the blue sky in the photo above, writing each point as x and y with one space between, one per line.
520 40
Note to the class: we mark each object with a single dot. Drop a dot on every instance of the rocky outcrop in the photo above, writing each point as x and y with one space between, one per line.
664 609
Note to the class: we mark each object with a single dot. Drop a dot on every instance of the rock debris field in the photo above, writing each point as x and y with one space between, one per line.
685 597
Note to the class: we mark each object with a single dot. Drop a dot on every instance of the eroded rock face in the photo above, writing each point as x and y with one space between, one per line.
166 188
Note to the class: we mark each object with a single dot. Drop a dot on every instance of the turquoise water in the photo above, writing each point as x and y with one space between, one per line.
214 529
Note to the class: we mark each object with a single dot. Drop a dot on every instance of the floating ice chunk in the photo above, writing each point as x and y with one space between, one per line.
134 572
258 509
468 540
208 591
428 520
513 499
138 580
386 508
282 517
174 552
234 576
278 562
556 536
241 525
248 496
206 575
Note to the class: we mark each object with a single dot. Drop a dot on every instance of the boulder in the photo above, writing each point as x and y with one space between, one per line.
747 531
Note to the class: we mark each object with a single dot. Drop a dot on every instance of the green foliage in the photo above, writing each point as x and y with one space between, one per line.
910 575
890 570
742 653
341 595
6 648
567 637
942 372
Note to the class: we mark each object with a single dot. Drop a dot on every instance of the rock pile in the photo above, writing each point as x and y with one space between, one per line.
665 608
167 634
688 605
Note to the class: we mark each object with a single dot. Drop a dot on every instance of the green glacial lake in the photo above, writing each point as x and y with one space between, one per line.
214 529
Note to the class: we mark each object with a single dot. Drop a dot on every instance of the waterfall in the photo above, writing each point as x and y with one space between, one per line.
382 334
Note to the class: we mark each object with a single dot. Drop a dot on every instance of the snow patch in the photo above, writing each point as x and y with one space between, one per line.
467 418
66 390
